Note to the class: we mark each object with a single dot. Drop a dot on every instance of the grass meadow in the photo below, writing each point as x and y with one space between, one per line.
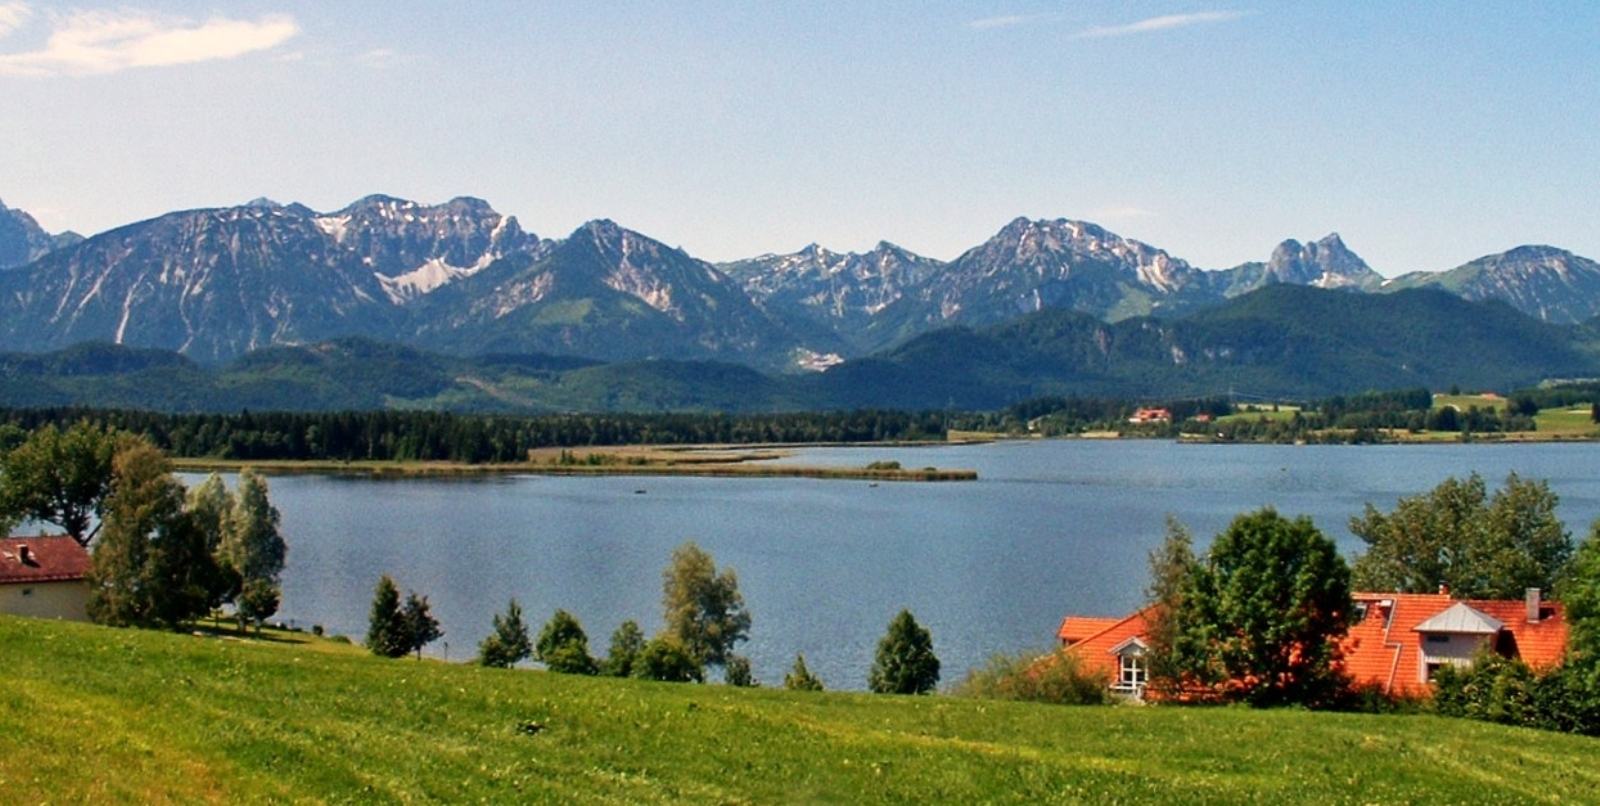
99 715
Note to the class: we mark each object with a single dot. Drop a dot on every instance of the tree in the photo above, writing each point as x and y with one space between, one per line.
1261 618
738 674
626 644
509 644
211 507
800 678
152 564
905 663
386 628
60 477
563 646
1579 592
664 659
1457 536
417 623
705 612
1170 567
254 547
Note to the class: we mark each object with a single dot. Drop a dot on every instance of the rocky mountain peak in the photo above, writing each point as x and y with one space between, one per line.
23 241
1326 263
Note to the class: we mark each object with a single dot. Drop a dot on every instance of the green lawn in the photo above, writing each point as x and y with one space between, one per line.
105 716
1569 422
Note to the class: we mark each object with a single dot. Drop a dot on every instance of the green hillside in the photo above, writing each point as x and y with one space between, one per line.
1281 341
114 716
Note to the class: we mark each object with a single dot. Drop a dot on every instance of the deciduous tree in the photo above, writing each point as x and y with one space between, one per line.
705 612
563 646
1261 618
151 565
1457 536
626 644
905 663
254 547
60 477
664 659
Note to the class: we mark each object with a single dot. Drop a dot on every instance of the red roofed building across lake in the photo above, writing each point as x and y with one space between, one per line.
1397 644
44 577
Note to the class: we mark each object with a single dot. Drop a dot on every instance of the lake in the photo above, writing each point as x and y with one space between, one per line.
1050 528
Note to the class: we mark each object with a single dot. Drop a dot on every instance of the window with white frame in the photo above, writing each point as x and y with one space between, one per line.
1131 671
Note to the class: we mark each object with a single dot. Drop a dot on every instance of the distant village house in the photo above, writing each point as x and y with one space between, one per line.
1150 416
1396 645
44 577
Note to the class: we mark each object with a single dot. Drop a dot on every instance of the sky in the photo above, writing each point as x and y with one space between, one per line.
1427 134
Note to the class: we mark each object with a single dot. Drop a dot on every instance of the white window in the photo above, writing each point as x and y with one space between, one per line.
1131 672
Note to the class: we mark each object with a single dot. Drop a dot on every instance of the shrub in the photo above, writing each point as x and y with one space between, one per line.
1054 678
800 678
668 661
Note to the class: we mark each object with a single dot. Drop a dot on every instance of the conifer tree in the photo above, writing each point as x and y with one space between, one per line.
509 644
386 629
905 663
417 623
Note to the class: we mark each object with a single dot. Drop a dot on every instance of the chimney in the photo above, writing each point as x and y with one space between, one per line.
25 554
1533 605
1444 589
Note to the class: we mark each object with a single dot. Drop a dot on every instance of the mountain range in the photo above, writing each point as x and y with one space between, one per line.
461 278
256 302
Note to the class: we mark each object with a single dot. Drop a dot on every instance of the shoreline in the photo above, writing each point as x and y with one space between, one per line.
678 460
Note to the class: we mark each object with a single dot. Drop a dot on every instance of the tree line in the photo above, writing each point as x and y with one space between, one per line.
704 620
162 554
473 439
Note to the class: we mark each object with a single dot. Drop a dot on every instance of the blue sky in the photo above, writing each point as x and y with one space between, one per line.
1427 134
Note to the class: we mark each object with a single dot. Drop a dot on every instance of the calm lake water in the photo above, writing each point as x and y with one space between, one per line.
1051 528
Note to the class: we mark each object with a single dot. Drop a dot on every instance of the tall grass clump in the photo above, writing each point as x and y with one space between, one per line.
1054 678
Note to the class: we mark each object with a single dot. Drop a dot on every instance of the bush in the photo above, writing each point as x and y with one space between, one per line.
668 661
1054 678
738 674
800 678
1505 690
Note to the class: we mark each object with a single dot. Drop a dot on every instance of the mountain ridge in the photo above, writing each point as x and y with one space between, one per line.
217 283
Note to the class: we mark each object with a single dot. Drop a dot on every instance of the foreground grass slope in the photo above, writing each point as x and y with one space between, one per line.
98 715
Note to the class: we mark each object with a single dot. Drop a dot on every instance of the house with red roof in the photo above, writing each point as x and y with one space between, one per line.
44 577
1396 643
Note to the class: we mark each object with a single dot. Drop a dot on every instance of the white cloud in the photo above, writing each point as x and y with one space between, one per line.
12 17
1164 23
1122 213
97 42
379 58
1004 21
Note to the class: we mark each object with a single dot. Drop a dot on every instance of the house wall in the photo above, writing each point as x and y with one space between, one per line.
63 600
1458 650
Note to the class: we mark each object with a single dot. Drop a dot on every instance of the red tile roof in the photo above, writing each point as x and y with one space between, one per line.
48 559
1094 650
1076 628
1385 649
